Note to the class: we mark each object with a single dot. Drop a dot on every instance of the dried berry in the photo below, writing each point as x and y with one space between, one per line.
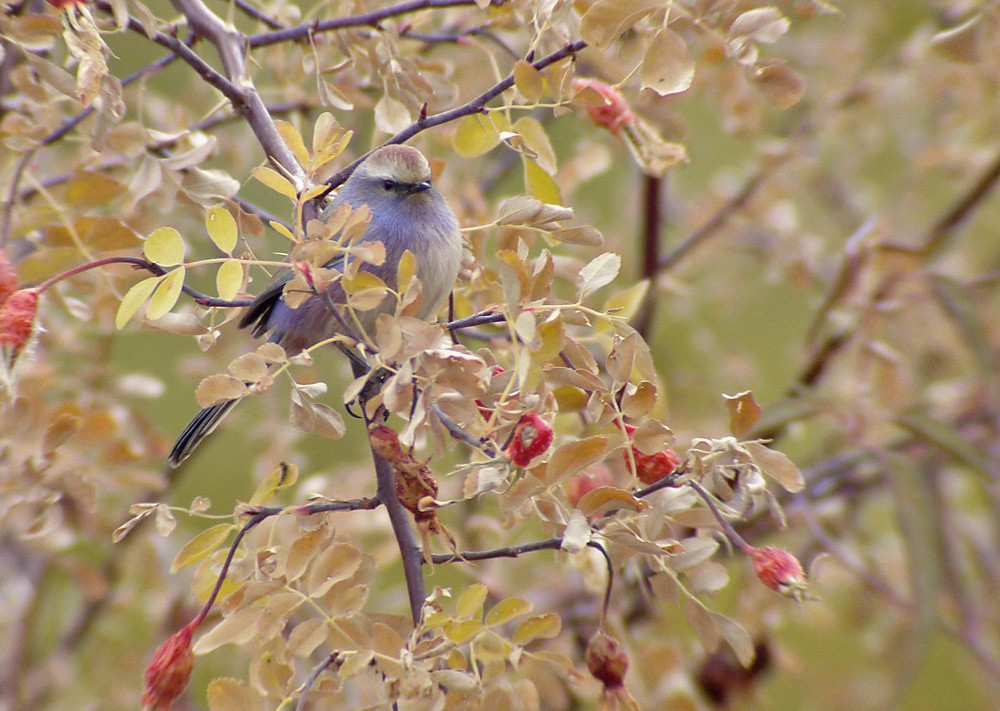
650 468
614 114
582 484
607 660
532 437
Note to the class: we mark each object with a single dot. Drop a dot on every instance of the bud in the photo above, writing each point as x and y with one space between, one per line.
169 670
653 154
779 570
17 320
532 437
650 468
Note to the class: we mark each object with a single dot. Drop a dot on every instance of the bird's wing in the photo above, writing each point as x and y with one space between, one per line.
258 313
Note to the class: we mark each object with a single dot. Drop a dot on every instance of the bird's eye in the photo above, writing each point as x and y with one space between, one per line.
389 184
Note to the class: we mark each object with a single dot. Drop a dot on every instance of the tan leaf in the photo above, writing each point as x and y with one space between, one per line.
744 412
777 466
668 67
219 388
605 20
780 85
573 456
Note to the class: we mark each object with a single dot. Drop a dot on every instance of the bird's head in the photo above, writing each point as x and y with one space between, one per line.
391 173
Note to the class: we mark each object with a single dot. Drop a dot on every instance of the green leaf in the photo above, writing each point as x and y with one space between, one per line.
229 279
135 297
221 228
470 602
165 247
166 295
201 546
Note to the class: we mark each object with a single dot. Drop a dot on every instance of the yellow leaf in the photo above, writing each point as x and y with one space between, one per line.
201 546
165 247
280 478
475 135
276 181
544 626
528 81
293 139
134 298
221 228
229 279
540 184
282 230
166 294
506 610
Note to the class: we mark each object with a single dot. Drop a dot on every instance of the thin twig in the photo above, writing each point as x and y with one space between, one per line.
475 106
257 14
718 219
300 33
550 544
319 669
941 232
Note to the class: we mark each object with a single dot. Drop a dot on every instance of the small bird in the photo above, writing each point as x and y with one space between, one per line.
407 213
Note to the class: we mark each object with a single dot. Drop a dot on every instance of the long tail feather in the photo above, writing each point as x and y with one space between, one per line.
200 427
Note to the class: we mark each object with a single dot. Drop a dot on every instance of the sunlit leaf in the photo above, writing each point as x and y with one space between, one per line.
276 181
544 626
293 139
229 279
166 295
222 228
165 247
528 81
573 456
506 610
134 298
470 602
540 184
201 546
605 20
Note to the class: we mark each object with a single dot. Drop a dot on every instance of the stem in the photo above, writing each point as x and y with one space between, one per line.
406 539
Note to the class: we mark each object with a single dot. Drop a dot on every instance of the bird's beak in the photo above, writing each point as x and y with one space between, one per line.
418 187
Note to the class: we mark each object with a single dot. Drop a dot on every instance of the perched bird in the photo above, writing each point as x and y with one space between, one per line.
407 213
